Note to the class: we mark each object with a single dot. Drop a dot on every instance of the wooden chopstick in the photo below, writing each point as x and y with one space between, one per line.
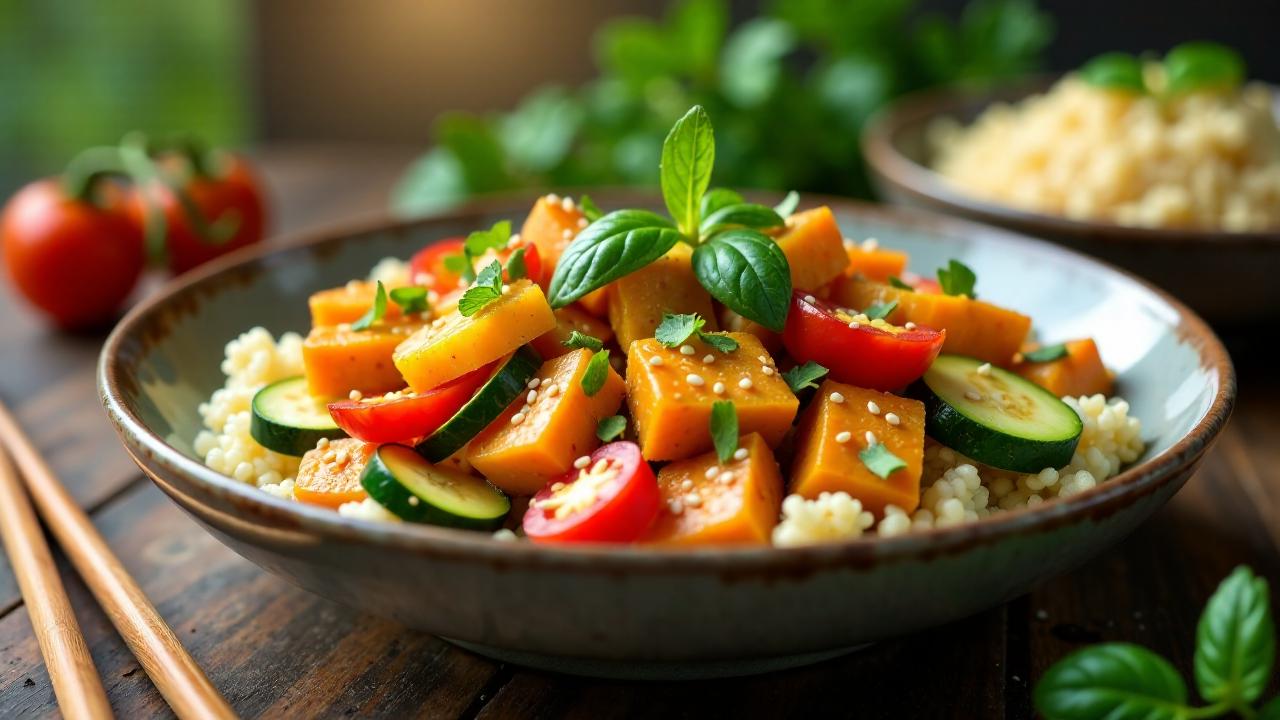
75 680
172 669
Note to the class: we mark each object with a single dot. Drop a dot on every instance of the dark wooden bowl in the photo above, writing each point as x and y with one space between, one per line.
1228 277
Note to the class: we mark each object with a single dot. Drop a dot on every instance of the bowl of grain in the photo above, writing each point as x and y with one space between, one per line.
1180 187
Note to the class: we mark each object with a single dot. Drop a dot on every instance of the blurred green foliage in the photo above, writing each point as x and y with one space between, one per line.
75 73
789 92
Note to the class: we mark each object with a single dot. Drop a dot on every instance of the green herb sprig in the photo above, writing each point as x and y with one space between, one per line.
1048 353
880 460
376 311
611 428
957 279
803 377
674 330
579 340
1190 67
724 429
486 288
593 378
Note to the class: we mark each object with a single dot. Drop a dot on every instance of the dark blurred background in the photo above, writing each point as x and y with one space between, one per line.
377 76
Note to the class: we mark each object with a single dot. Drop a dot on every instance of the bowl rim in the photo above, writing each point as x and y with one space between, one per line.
1101 500
879 143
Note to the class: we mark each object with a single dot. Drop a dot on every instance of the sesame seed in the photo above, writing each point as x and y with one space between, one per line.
582 222
601 465
810 299
355 395
567 204
534 383
532 397
517 418
694 379
910 326
872 407
718 388
854 324
413 500
582 462
870 245
708 358
558 486
973 395
687 350
656 360
844 436
693 500
675 506
726 477
324 443
712 472
551 390
836 397
984 369
567 234
892 418
745 383
763 358
740 454
870 437
506 288
553 198
687 485
766 369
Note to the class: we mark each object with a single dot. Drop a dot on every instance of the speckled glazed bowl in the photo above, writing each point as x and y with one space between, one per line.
640 612
1228 277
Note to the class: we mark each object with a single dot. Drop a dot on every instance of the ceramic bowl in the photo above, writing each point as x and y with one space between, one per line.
641 612
1226 277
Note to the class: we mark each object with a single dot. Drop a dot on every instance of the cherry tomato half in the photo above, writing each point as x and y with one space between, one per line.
922 284
72 259
427 267
613 499
879 356
411 416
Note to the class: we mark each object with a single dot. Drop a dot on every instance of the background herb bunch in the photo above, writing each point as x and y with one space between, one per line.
790 91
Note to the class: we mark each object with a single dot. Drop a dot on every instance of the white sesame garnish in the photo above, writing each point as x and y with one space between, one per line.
745 383
892 418
517 418
810 299
694 379
687 485
708 359
656 360
582 462
693 500
870 245
534 383
551 390
725 477
973 395
532 397
984 369
740 454
413 500
712 472
836 397
854 324
766 369
506 288
582 223
687 350
844 436
675 506
323 443
910 326
553 198
558 486
567 234
567 203
355 395
718 388
872 407
870 437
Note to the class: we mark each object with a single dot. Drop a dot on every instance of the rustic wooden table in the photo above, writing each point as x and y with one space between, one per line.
275 650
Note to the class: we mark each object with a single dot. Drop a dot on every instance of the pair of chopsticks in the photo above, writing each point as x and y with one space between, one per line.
76 684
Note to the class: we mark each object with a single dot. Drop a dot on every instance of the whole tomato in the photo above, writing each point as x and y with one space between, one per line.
228 199
74 260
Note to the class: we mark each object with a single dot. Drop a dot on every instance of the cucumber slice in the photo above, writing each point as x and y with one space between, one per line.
398 479
288 419
494 397
997 417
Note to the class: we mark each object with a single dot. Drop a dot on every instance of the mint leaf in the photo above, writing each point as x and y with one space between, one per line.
611 428
1048 353
881 460
486 289
717 198
1202 66
724 429
746 215
746 271
688 154
803 377
723 343
516 268
375 312
788 205
596 373
1112 680
578 341
613 246
457 264
589 208
676 329
482 241
880 311
1236 640
410 299
1115 71
957 279
897 282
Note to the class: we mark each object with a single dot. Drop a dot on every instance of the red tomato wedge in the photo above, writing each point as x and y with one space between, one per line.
922 284
409 416
873 354
613 499
427 267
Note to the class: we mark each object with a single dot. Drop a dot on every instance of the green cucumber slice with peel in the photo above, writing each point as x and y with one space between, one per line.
412 489
287 418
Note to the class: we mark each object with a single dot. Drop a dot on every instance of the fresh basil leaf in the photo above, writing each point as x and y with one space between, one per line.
410 299
803 377
688 155
1202 66
881 461
615 245
897 282
596 373
456 264
957 279
788 205
1236 640
486 289
516 268
747 272
723 343
578 340
376 311
611 428
1270 711
1048 353
880 311
676 329
589 208
724 429
717 198
747 215
1118 681
482 241
1115 71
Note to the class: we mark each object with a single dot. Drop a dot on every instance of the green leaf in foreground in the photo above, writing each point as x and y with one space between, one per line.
1115 71
676 328
411 299
803 377
688 154
788 205
1048 353
957 279
596 373
486 289
746 215
1236 640
724 429
611 428
880 311
746 271
613 246
375 312
1115 680
881 460
578 340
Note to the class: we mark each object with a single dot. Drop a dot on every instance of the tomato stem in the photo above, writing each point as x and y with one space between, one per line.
87 169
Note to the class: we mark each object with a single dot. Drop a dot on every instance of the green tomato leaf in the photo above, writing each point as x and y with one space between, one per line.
611 428
486 289
723 343
717 198
881 310
596 373
589 208
1115 71
375 312
516 268
747 272
1202 66
688 155
957 279
617 244
788 205
410 299
803 377
1117 681
748 215
1236 640
676 329
881 461
578 340
724 429
1048 353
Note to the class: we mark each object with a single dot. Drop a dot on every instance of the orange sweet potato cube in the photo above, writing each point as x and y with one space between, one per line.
670 394
551 225
338 359
558 427
738 503
1079 372
347 304
826 460
814 248
875 263
596 302
551 344
638 301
